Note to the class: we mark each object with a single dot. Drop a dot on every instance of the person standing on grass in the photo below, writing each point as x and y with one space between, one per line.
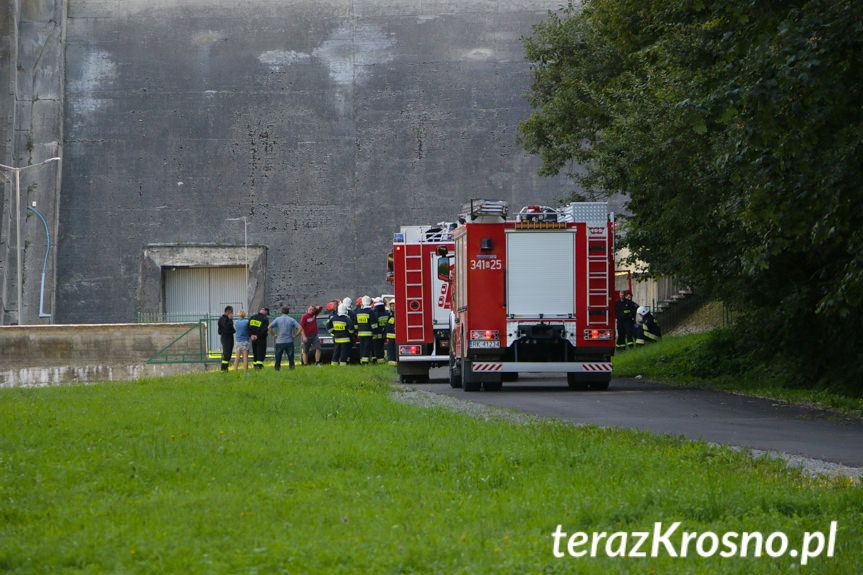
226 332
309 323
258 326
390 333
242 335
366 320
341 326
379 339
624 310
284 329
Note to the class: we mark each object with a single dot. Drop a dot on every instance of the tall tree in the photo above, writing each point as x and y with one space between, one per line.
735 130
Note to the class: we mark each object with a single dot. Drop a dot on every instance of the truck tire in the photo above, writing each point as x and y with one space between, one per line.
492 385
588 381
469 380
413 372
454 373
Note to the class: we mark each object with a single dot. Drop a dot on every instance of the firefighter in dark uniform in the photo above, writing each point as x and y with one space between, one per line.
226 331
390 333
379 339
367 321
625 309
646 328
341 326
259 325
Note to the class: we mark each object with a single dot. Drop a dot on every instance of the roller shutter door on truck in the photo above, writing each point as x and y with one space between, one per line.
540 278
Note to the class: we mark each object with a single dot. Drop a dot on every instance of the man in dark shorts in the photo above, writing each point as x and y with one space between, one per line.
309 323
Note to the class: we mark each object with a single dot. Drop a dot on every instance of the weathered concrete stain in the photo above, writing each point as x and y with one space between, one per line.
328 124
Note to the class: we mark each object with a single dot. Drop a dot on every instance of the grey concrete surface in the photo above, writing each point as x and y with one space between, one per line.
328 124
40 355
711 416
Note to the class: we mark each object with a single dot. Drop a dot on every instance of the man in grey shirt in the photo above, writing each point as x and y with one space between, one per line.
284 329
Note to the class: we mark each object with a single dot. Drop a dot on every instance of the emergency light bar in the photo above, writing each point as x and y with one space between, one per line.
537 214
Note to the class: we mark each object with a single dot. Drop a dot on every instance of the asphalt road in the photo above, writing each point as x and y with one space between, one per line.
696 414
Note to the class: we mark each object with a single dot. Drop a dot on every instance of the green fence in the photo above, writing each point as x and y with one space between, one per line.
205 330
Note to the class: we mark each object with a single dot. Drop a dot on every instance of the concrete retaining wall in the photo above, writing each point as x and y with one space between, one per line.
40 355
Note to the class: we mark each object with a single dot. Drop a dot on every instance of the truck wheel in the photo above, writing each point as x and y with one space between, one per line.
454 373
469 380
492 385
575 383
588 381
413 373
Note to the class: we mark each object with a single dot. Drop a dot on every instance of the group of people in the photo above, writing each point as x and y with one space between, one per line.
371 323
635 324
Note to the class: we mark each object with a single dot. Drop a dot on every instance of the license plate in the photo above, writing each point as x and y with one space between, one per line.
484 343
327 340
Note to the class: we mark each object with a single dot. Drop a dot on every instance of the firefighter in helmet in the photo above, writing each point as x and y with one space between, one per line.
341 326
646 328
367 321
625 309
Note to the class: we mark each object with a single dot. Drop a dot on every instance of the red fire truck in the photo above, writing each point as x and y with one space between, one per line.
532 294
421 267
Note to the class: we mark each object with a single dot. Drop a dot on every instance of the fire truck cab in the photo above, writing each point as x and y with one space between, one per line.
532 294
422 261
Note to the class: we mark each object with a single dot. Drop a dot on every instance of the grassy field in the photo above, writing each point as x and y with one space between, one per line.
700 360
321 471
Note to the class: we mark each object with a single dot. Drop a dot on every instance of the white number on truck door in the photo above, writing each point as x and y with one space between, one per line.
486 264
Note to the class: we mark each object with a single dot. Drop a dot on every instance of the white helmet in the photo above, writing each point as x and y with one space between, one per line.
348 302
343 309
367 301
642 310
378 301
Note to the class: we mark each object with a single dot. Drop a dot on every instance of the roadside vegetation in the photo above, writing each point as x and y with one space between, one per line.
734 131
720 359
321 471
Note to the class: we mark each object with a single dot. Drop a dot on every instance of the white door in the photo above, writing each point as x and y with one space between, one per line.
193 293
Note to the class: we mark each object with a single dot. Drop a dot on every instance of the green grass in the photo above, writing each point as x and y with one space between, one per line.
321 471
712 360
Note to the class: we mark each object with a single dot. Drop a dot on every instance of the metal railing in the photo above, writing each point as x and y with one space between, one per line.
205 328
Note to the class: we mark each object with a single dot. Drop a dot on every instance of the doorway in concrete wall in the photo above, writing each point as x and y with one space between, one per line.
204 292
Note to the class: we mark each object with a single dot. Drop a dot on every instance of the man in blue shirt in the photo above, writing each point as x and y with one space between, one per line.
284 328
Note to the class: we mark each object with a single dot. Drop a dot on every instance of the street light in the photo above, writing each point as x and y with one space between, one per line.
17 172
245 250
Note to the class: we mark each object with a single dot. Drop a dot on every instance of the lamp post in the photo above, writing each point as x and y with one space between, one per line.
17 172
245 250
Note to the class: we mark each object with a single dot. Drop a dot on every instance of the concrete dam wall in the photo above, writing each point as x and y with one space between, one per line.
290 137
